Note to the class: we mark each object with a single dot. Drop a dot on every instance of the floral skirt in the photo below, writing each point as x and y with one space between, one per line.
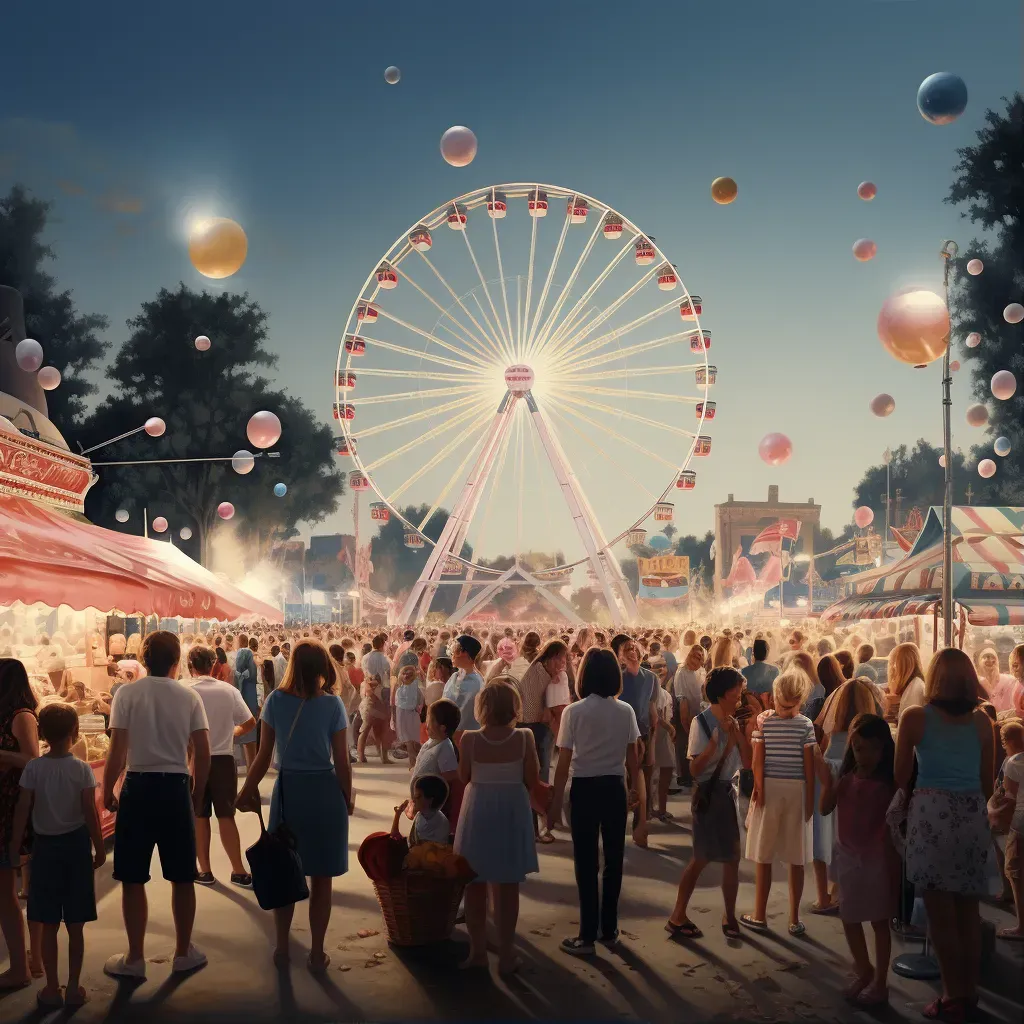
949 842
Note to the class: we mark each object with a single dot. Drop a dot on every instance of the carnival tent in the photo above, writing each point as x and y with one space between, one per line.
50 558
988 572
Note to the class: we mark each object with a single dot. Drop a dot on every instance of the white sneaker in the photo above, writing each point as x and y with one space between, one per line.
192 960
120 967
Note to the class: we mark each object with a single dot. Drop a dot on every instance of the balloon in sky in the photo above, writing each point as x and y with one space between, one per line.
883 405
942 98
121 515
280 490
155 426
913 325
49 378
225 510
185 533
986 468
242 462
1001 446
202 343
1004 384
217 247
159 524
973 340
724 191
864 249
458 146
775 449
955 365
1013 314
263 429
29 354
867 190
658 541
977 415
942 461
392 75
975 267
863 516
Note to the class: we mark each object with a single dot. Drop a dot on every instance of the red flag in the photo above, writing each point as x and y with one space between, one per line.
769 540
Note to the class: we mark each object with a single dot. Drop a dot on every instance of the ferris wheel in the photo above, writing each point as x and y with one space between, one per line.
543 378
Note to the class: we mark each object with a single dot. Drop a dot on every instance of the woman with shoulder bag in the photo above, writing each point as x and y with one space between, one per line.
312 796
718 749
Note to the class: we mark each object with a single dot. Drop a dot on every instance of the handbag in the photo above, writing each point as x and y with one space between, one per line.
1000 809
701 799
277 876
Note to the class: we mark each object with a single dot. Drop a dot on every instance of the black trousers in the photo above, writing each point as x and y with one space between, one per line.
597 806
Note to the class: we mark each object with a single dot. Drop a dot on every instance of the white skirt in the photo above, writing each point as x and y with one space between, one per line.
776 830
407 725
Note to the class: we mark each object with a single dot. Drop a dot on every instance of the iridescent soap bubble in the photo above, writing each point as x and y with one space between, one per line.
942 98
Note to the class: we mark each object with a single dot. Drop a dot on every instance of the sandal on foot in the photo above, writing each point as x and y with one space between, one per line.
797 929
751 922
74 1000
856 986
731 930
871 996
686 930
318 968
954 1011
825 908
1010 935
47 1003
545 838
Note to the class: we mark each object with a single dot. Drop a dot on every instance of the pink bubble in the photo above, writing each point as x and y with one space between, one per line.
159 525
975 267
263 429
913 325
986 468
954 365
864 249
775 449
49 378
973 340
225 510
458 146
155 426
863 516
1014 313
202 343
1004 384
883 405
867 190
976 415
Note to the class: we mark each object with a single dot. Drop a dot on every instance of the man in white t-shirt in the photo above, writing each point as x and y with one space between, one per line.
152 723
229 718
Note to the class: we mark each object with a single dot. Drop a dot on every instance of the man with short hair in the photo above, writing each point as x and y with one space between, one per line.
760 675
462 688
152 723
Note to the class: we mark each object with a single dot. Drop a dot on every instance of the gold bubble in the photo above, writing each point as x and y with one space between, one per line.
724 191
217 247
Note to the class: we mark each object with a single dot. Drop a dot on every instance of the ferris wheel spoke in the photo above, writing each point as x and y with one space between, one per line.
430 435
479 346
391 346
494 478
401 396
531 343
456 477
627 393
639 371
529 289
634 350
564 294
618 436
487 320
499 330
519 476
488 338
414 417
630 415
501 277
471 356
374 371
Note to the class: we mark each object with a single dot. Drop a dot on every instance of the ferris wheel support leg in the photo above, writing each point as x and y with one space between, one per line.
481 598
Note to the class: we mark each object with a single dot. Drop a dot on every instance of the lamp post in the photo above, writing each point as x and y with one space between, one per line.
948 253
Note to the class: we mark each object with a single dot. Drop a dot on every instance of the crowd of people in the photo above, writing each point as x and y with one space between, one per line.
893 780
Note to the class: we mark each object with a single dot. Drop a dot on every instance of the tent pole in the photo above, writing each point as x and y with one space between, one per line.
948 253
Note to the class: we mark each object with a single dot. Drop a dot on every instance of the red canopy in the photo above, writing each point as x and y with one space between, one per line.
50 558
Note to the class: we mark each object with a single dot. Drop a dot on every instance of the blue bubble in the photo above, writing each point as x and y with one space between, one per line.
659 542
1001 446
942 98
280 490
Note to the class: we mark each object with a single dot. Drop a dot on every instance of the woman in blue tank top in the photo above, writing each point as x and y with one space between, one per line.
948 836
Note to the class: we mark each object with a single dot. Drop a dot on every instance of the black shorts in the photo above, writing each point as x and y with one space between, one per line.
155 809
221 788
61 885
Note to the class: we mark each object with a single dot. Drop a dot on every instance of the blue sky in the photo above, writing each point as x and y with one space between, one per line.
132 118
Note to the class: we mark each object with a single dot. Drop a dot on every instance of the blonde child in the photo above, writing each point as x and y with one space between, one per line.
864 861
374 714
406 702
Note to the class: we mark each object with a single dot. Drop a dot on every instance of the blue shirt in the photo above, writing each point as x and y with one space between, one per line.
760 677
407 696
638 691
671 665
948 754
309 749
461 689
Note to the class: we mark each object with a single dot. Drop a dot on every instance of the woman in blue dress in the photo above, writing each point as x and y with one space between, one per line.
245 679
313 791
499 766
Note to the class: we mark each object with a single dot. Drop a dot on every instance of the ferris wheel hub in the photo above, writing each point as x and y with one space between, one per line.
518 378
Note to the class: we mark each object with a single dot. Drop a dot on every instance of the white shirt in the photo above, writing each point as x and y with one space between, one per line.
280 665
912 696
159 716
435 759
597 730
557 695
664 705
225 708
431 828
57 783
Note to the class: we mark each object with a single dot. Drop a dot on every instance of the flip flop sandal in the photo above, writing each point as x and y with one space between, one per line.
686 930
545 838
753 924
829 908
797 929
953 1011
731 931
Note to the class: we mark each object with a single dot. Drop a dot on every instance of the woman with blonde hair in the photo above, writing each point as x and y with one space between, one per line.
723 653
998 687
904 681
948 835
1017 669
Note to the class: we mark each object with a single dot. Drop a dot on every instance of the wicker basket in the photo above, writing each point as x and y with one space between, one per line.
418 908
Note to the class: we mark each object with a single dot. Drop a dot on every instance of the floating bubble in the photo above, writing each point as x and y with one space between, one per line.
724 191
202 343
217 247
242 462
458 146
913 325
155 426
863 516
954 365
1001 446
1014 313
122 515
49 378
263 429
864 249
775 449
883 405
986 468
942 461
159 525
976 415
225 510
1004 384
973 340
185 533
867 190
29 354
280 490
975 267
392 75
942 98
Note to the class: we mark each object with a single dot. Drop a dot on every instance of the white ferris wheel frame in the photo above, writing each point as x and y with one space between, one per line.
598 556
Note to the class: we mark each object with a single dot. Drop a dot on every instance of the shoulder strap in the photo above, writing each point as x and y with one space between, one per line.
704 723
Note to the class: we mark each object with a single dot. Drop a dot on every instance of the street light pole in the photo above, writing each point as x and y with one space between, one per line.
948 253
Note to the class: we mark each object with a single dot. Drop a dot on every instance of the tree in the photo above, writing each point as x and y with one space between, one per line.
670 531
206 400
70 339
990 179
